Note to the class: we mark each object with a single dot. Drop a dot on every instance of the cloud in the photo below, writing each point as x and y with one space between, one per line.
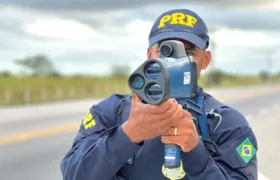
74 5
92 40
112 22
59 28
245 19
241 38
69 42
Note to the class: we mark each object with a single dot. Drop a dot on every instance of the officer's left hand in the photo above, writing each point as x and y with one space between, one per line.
187 137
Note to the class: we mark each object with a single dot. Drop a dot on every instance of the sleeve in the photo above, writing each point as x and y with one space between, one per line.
236 157
100 148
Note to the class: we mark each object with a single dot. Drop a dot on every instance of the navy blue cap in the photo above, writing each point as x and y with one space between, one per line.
180 24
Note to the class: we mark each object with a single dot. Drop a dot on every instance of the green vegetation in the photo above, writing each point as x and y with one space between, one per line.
218 78
50 89
40 82
43 89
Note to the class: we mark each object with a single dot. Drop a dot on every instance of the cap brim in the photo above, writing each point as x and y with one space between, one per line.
196 40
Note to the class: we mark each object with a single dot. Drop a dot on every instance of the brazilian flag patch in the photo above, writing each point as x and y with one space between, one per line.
246 150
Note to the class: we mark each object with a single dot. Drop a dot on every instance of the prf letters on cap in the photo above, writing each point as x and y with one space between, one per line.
177 18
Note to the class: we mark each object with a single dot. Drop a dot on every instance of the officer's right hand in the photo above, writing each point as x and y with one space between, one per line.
147 121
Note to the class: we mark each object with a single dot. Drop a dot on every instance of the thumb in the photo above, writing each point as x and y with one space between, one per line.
135 98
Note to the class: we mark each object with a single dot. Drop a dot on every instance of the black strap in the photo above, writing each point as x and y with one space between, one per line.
212 103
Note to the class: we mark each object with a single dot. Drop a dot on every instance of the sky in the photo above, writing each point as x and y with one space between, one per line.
90 36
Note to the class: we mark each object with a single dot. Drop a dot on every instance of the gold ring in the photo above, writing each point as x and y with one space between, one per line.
175 131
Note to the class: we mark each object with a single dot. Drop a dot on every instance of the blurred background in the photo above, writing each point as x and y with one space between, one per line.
58 58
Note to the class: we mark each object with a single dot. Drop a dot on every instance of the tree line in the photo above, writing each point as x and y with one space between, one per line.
41 65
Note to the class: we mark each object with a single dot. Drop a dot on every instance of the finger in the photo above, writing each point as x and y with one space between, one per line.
161 108
174 118
169 122
177 114
187 115
186 119
175 131
168 113
135 99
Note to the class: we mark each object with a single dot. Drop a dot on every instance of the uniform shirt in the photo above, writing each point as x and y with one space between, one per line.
102 151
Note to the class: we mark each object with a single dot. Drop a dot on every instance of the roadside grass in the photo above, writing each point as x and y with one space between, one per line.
16 90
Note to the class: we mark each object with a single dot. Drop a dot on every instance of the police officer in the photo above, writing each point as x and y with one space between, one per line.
121 138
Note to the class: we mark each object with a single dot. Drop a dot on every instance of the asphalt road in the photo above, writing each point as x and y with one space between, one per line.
34 139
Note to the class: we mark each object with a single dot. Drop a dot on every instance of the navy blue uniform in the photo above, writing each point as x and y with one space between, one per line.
102 151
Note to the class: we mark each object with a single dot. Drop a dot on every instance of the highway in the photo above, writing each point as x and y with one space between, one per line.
34 139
